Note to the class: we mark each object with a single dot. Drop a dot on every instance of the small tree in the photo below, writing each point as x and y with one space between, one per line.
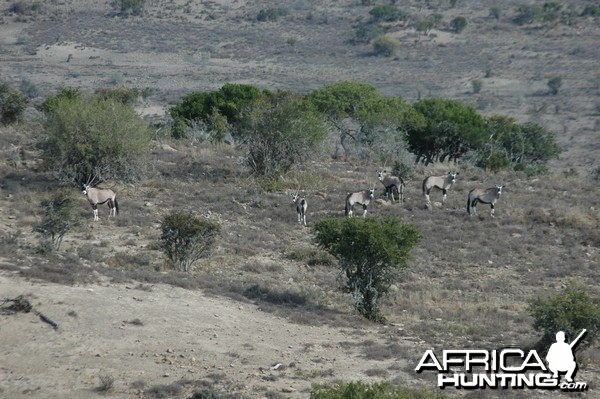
370 252
554 84
12 104
280 132
570 311
386 46
458 24
187 238
59 217
90 136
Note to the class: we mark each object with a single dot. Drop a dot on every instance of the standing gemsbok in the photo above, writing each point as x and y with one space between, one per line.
360 197
441 182
391 182
485 196
97 196
301 206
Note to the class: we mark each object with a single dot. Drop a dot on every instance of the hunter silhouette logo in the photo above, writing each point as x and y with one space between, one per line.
506 368
560 356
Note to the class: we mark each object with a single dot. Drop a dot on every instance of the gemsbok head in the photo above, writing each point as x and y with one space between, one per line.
485 196
391 182
97 196
360 197
301 206
440 182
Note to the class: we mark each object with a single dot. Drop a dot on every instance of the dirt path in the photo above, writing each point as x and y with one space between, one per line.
159 337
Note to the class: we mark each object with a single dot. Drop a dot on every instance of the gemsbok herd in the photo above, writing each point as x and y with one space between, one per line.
363 198
393 184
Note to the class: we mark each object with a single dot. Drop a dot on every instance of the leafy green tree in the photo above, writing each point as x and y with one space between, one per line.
59 217
12 104
186 238
279 132
458 24
387 13
451 129
231 100
570 311
88 136
64 94
365 119
371 253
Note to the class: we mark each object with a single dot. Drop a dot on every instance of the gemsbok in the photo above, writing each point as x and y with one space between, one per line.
97 196
301 206
485 196
440 182
391 182
360 197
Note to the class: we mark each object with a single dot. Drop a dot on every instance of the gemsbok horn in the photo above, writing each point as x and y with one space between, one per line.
360 197
440 182
391 182
485 196
97 196
301 206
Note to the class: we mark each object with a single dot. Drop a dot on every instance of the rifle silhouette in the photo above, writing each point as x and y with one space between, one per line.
574 342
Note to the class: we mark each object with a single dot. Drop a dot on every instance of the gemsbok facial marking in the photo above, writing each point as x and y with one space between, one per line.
485 196
97 196
443 183
301 206
391 182
362 198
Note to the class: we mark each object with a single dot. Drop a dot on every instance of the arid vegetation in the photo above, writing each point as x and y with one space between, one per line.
204 141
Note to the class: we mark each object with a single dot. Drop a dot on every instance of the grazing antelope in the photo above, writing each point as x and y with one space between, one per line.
390 182
301 206
441 182
97 196
362 198
485 196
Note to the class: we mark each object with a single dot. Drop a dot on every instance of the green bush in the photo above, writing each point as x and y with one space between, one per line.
387 13
59 218
371 252
458 24
281 132
64 94
386 46
89 136
231 100
570 310
452 129
494 161
476 84
187 238
361 390
12 104
554 84
368 32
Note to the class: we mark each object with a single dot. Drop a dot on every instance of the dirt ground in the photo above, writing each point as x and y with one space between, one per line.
161 336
